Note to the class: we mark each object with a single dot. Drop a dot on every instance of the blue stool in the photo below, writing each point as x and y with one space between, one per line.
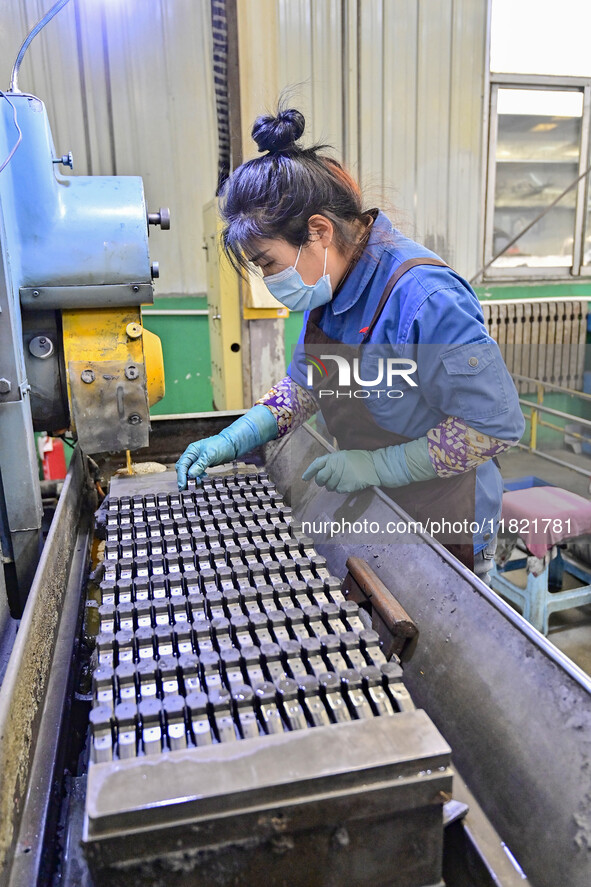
557 515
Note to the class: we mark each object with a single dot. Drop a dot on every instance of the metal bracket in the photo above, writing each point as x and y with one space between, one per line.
102 296
110 410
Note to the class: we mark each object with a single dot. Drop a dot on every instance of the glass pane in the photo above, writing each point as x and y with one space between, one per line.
537 157
541 37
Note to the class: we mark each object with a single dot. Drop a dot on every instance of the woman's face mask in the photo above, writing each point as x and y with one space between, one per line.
288 288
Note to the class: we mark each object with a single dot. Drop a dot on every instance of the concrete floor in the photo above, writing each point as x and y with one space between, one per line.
570 630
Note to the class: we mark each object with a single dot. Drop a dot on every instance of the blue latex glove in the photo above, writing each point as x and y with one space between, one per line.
347 471
256 427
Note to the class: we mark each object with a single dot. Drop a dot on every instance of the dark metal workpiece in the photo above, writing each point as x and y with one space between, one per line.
221 624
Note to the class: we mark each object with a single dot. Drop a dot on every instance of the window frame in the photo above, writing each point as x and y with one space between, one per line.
541 82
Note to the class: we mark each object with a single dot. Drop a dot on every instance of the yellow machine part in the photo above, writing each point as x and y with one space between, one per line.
154 367
265 313
113 335
225 333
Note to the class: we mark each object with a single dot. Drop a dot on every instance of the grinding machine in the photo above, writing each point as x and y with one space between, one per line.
194 690
74 271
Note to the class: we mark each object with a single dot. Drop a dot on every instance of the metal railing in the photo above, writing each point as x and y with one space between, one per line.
538 410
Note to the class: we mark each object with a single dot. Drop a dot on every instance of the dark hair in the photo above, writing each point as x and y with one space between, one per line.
275 195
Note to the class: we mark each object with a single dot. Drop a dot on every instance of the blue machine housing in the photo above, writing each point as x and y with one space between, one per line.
66 242
69 231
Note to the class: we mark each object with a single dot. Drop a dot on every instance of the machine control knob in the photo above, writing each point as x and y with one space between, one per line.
41 347
155 270
162 218
66 160
5 386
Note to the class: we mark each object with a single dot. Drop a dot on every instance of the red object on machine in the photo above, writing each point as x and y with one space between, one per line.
53 459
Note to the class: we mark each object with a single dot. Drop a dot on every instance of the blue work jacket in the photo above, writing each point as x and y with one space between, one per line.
434 316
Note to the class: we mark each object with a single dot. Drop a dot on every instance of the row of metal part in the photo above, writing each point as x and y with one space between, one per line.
219 621
210 712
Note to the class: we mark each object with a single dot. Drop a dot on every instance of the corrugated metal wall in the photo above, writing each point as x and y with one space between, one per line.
128 88
397 86
311 64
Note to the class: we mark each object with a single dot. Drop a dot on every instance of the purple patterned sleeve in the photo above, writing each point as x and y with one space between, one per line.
291 404
455 447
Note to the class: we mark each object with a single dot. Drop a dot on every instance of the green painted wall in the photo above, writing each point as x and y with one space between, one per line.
534 291
292 330
185 347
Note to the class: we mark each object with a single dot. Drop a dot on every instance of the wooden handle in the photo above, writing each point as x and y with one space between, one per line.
389 618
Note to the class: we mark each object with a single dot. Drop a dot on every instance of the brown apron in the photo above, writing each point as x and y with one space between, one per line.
350 421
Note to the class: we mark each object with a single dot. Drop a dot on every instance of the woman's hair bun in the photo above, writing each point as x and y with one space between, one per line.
278 133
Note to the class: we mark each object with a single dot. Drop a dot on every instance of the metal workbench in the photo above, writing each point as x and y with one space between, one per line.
515 712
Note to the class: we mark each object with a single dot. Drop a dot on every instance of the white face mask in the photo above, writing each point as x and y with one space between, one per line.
288 287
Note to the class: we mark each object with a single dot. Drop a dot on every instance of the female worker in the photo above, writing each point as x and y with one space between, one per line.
372 295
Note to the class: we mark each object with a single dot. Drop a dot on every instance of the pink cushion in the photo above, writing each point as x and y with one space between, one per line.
543 516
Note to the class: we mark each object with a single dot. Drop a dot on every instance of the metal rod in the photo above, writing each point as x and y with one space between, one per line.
538 81
559 413
174 312
560 428
555 460
572 391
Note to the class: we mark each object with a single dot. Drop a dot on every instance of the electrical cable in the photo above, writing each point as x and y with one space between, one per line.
15 69
219 35
31 36
18 129
530 225
68 441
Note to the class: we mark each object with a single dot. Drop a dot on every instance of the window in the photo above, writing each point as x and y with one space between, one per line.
541 37
538 148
